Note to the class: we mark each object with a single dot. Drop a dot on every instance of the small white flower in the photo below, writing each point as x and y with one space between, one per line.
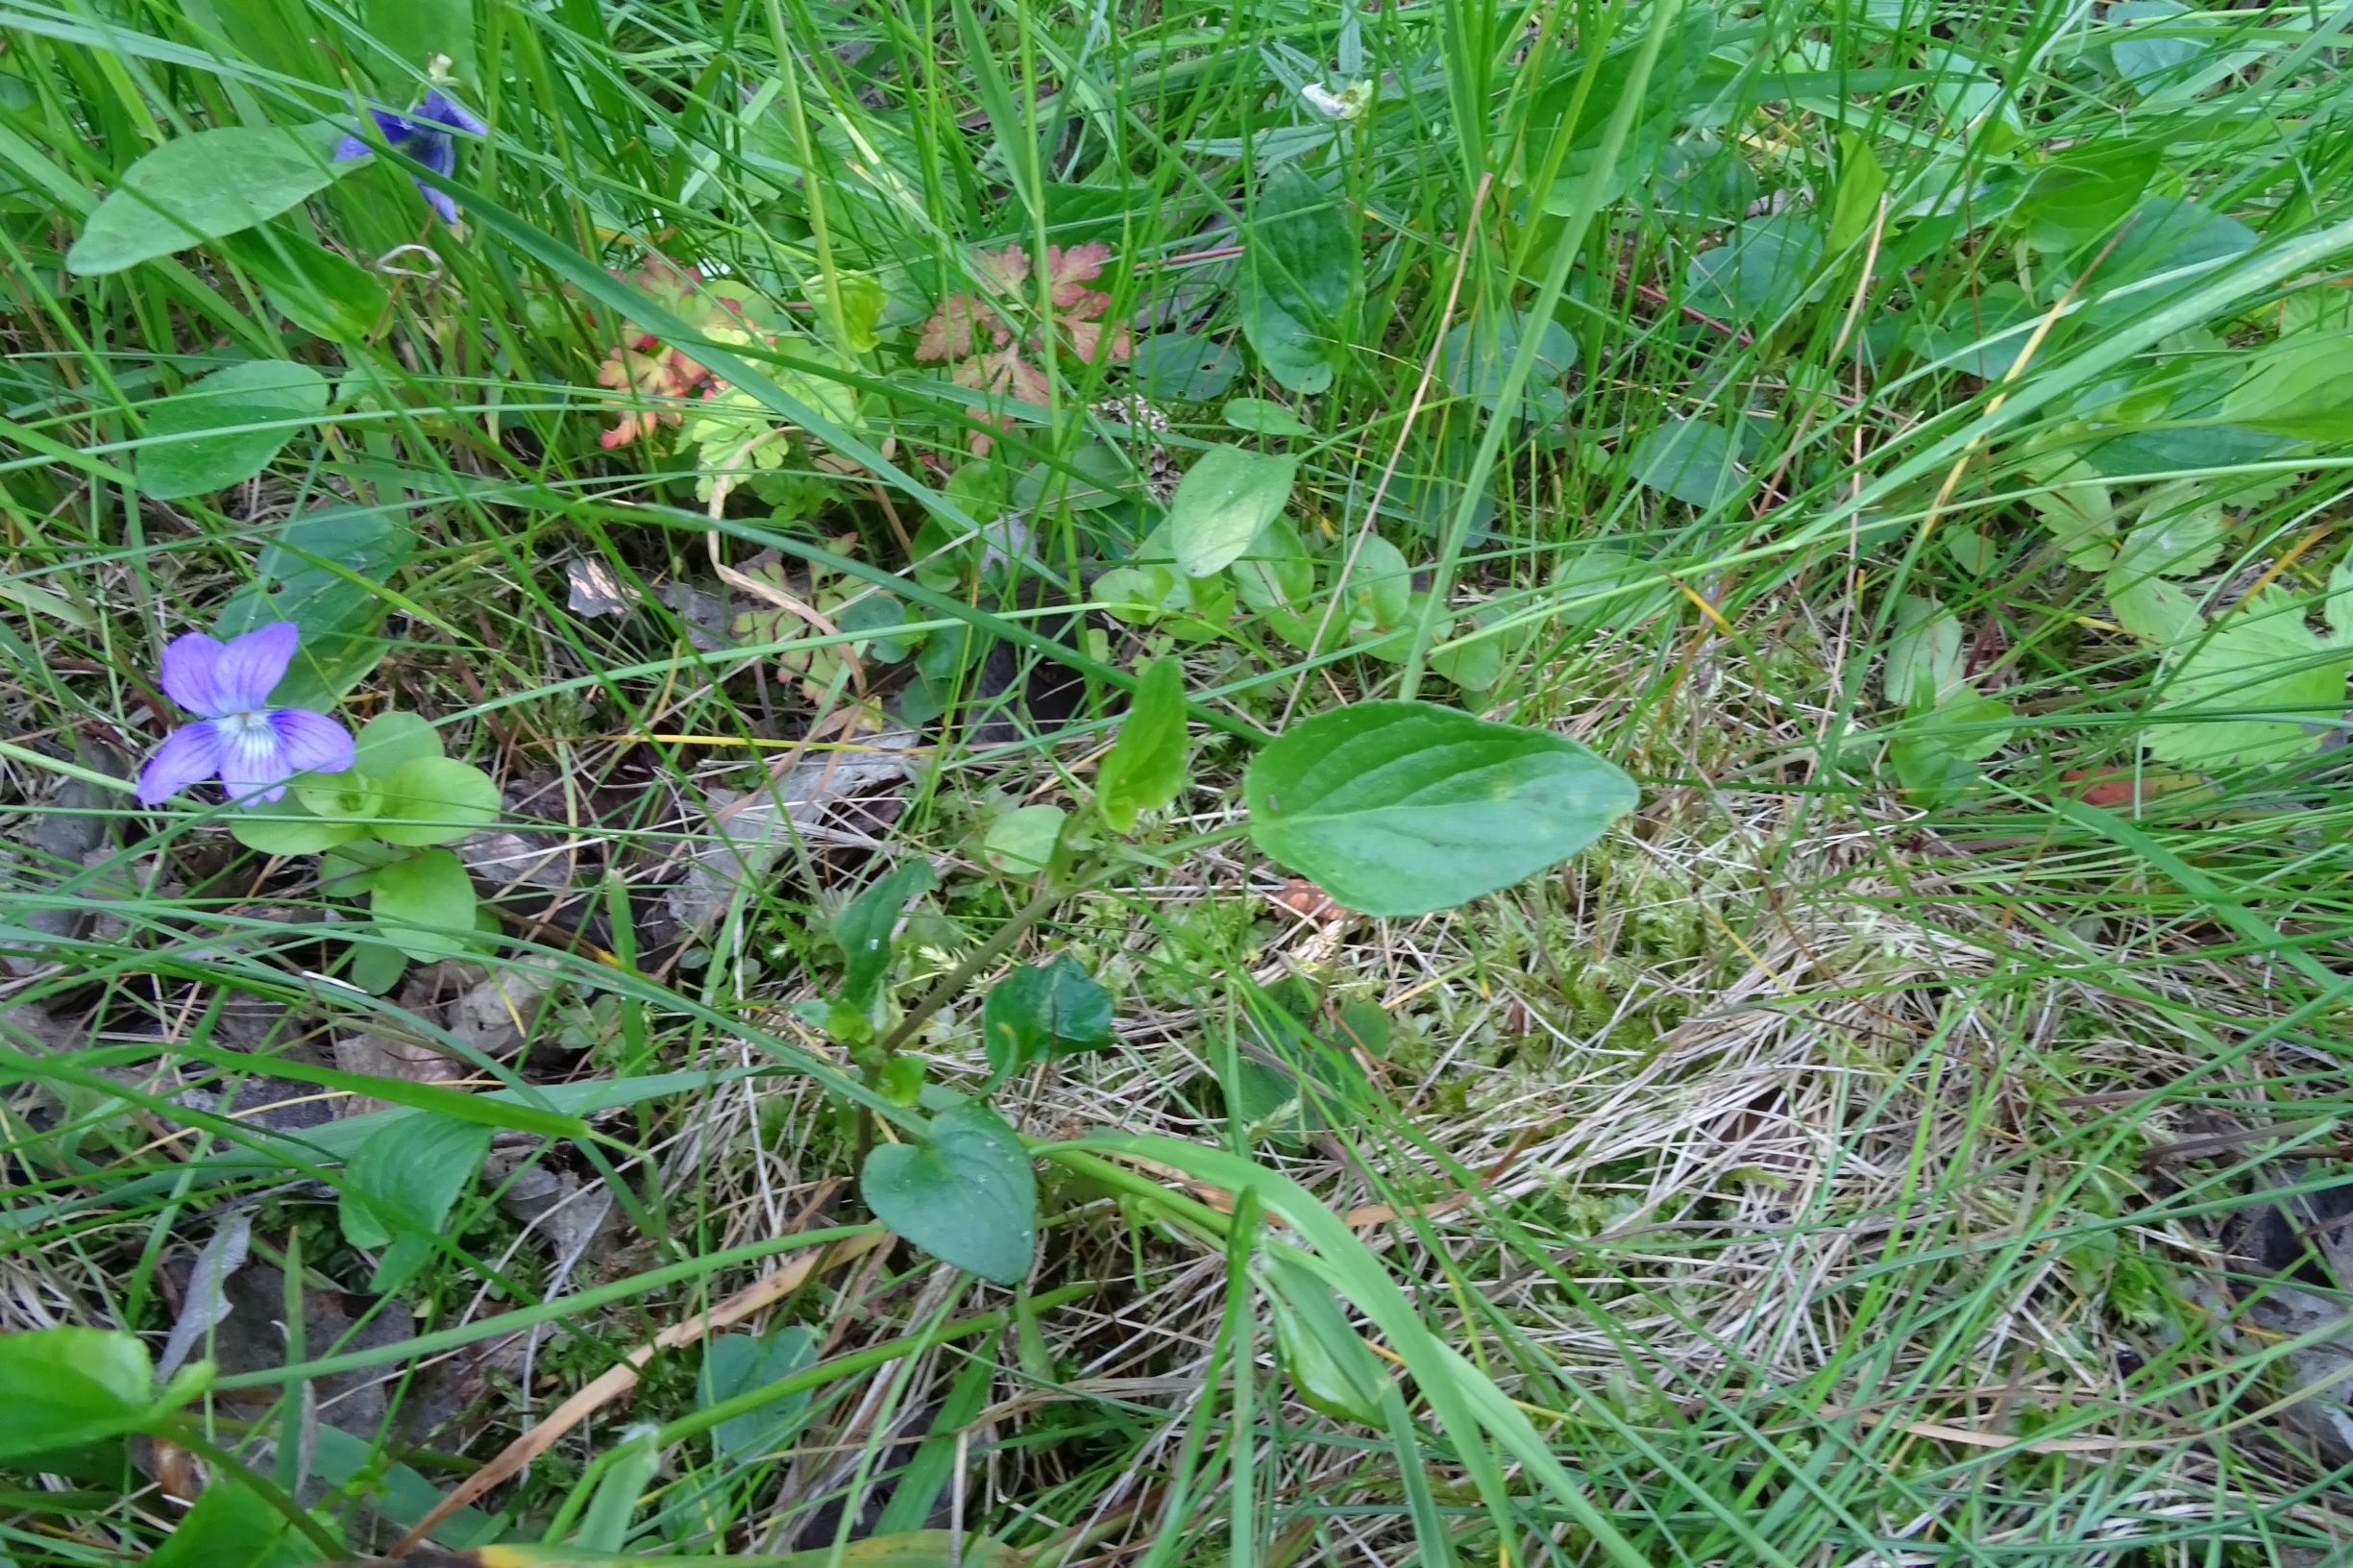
1344 105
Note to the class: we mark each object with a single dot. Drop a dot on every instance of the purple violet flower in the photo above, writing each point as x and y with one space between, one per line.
424 134
254 748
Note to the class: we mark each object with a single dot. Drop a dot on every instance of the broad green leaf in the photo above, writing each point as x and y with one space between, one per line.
1400 808
230 1527
1764 267
1021 843
1936 754
197 187
734 1364
401 1186
320 571
318 289
1980 333
1224 500
2086 191
1473 358
966 1195
1923 654
71 1386
1475 665
1175 367
1263 417
2261 661
2179 534
1043 1011
1379 585
2151 608
2303 388
346 796
1689 459
1146 767
435 800
1606 585
288 826
2163 235
424 904
2076 503
415 31
1275 572
1299 271
2141 56
225 428
391 739
408 1176
2337 605
864 926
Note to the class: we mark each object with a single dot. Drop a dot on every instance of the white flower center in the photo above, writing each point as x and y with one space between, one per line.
248 725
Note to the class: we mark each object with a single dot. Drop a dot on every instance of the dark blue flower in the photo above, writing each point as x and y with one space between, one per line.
424 134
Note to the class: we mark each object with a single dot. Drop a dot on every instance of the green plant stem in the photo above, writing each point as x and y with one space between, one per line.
227 1464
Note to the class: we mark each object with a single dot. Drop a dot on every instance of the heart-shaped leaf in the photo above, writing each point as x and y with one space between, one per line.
225 426
435 800
967 1196
1041 1011
424 904
1400 808
1222 502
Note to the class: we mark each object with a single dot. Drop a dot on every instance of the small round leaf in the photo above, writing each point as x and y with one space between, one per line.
435 800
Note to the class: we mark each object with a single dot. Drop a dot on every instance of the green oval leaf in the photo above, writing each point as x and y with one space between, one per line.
1146 767
967 1196
199 187
1400 808
71 1386
225 426
1690 460
390 740
1300 268
1222 502
1264 417
287 826
435 800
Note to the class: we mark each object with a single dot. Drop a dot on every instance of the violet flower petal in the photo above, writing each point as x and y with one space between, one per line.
250 665
192 662
440 107
253 759
312 743
188 755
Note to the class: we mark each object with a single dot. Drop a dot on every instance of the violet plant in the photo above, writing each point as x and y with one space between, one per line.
380 808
